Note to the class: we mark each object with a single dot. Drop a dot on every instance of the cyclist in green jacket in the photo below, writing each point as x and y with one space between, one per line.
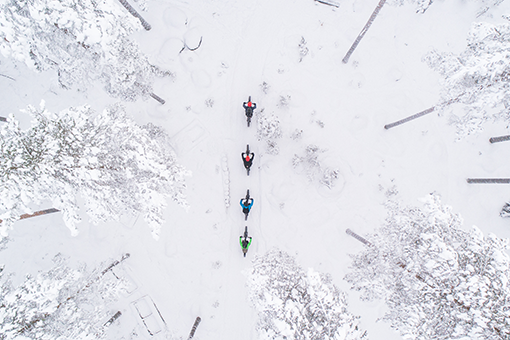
245 241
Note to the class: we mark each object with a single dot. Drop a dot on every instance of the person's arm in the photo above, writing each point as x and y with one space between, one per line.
243 155
241 203
249 243
252 155
251 202
254 105
244 105
241 240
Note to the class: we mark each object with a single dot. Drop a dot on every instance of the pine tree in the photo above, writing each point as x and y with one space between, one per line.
108 160
59 304
84 41
423 5
293 304
478 78
439 281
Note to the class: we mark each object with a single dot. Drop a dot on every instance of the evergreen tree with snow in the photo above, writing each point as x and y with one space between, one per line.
478 78
114 165
83 41
438 281
293 304
60 304
423 5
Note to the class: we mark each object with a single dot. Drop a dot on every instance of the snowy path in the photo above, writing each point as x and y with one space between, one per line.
239 317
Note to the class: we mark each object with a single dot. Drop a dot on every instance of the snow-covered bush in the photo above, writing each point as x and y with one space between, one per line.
423 5
478 78
309 163
294 304
108 160
303 50
83 41
268 129
505 211
60 304
439 281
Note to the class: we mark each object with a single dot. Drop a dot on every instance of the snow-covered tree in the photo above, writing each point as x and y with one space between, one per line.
83 41
293 304
478 78
62 303
439 281
423 5
309 164
113 164
269 129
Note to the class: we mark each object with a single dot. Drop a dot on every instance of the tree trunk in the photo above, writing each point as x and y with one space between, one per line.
405 120
489 180
499 139
194 328
363 31
134 13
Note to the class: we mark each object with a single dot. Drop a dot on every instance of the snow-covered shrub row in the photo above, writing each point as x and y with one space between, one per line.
310 164
59 304
268 129
478 78
83 41
115 165
294 304
423 5
226 180
438 281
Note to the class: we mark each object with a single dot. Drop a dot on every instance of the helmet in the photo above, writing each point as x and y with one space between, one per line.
247 158
249 104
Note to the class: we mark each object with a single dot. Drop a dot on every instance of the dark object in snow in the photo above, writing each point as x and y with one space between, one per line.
247 159
3 119
245 241
112 319
489 180
246 204
328 2
134 13
248 108
159 99
194 48
363 31
499 139
38 213
357 237
11 78
505 211
194 328
405 120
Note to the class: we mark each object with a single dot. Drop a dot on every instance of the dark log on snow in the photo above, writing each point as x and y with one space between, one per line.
134 13
499 139
38 213
112 319
3 119
405 120
11 78
489 180
357 237
159 99
363 31
194 328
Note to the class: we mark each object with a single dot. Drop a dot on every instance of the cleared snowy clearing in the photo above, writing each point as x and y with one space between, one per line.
287 55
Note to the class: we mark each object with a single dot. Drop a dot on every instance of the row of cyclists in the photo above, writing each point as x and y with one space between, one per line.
247 157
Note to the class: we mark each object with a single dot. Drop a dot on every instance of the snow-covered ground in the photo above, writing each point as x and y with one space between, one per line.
287 55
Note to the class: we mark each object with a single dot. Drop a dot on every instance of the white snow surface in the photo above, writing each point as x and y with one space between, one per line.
196 267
